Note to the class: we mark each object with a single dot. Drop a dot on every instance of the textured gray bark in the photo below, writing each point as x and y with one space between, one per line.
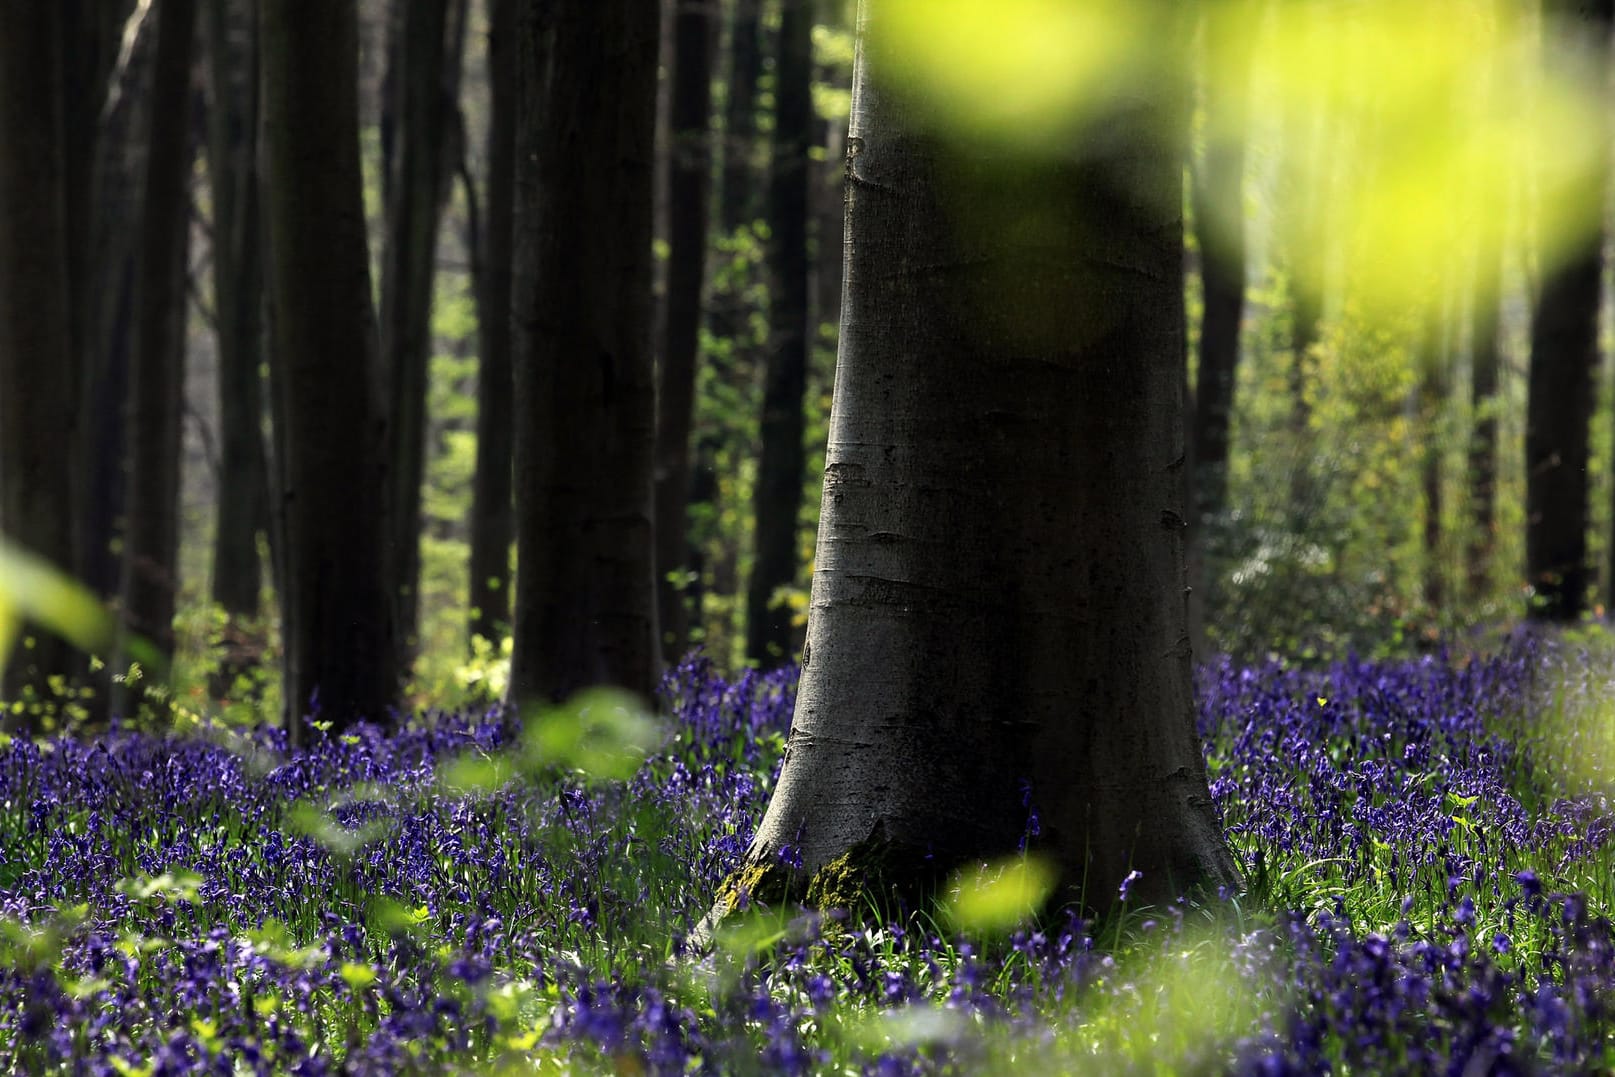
150 572
778 498
1564 355
340 647
238 276
584 378
493 522
689 191
37 405
998 591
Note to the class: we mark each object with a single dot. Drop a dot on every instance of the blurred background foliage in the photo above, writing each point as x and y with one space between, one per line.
1400 166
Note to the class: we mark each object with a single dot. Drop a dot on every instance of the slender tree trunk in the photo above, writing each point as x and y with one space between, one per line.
37 385
689 194
1431 400
243 497
415 189
1003 612
584 377
150 574
1564 356
780 469
1483 367
1219 211
739 194
493 523
341 658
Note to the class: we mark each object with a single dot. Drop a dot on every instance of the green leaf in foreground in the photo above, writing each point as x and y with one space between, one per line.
1000 896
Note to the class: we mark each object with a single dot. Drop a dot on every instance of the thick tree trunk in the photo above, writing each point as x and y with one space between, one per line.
998 597
778 498
150 572
415 191
37 386
688 197
584 377
739 195
493 522
243 497
109 317
1564 356
341 658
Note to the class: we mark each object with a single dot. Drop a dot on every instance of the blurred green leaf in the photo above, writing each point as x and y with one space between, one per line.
999 897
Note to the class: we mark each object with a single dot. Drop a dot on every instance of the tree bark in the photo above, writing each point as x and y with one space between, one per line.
584 377
689 191
108 314
150 571
1219 212
415 191
1431 399
340 648
493 523
778 498
998 596
1482 462
1564 356
243 496
738 195
37 385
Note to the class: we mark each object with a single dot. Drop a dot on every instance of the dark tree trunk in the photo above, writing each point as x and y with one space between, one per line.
109 314
689 190
584 376
421 106
739 195
243 497
37 387
493 512
150 572
1003 606
1431 399
341 650
780 469
1219 212
1482 466
92 31
1564 356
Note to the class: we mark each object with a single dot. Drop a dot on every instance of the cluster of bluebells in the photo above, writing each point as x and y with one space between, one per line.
1426 894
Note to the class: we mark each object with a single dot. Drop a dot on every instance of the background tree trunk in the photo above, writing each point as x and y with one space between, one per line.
1564 355
1219 212
341 657
584 378
37 385
738 195
1002 609
109 312
243 496
493 512
689 195
778 499
1482 463
416 186
150 573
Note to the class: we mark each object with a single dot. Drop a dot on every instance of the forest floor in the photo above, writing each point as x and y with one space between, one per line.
1426 846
